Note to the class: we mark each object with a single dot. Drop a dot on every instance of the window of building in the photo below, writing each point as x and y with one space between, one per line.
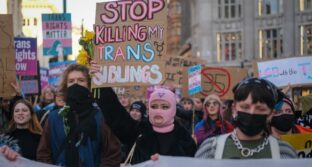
229 9
270 7
35 22
305 5
229 46
24 22
270 43
306 40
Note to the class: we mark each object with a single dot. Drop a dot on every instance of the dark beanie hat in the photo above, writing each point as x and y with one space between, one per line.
139 106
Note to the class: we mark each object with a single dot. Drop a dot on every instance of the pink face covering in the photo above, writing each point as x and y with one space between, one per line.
168 115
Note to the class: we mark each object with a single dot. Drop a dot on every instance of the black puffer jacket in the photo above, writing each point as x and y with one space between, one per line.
175 143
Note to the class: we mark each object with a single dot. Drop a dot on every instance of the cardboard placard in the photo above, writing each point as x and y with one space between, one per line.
294 70
26 56
217 80
174 69
7 56
57 34
130 43
134 92
302 143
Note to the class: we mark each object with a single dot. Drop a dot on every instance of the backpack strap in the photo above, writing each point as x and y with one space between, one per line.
44 116
220 145
275 150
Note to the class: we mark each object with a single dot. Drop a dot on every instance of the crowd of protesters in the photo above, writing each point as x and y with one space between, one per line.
70 127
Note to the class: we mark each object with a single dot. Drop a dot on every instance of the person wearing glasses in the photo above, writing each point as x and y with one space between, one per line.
212 123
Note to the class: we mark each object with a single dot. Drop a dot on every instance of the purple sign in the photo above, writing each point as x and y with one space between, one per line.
44 77
30 86
25 56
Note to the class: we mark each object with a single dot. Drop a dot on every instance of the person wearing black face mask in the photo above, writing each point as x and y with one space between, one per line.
283 120
254 100
76 135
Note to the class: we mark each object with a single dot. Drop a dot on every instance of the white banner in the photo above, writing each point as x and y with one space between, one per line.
21 162
167 161
295 70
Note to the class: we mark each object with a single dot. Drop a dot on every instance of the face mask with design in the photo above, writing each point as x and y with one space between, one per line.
167 115
250 124
283 122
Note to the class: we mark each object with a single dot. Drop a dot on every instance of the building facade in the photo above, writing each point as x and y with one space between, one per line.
235 32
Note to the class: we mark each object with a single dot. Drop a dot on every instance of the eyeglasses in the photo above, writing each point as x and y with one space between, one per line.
213 102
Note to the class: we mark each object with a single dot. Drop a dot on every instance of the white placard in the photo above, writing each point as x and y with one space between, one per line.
167 161
295 70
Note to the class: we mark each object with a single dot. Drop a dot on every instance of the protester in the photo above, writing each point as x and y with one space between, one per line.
198 106
6 107
227 114
46 102
213 124
160 134
58 104
77 135
8 153
4 114
25 128
138 110
124 100
185 114
283 120
253 105
187 103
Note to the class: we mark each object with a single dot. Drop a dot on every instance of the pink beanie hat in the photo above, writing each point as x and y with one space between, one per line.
168 115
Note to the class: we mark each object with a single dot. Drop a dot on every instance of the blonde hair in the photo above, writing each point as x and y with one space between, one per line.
34 125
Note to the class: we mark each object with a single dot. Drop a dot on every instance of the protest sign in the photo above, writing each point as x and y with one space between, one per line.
26 56
22 162
175 69
217 80
169 161
44 77
7 54
194 79
302 143
56 71
130 43
294 70
30 85
57 34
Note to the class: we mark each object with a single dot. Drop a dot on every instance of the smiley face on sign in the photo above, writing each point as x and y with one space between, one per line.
215 81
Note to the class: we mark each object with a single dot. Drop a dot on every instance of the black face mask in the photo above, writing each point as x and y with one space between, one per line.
283 122
250 124
79 98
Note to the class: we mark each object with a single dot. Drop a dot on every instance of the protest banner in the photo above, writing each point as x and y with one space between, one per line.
302 143
22 162
294 70
7 54
217 80
130 43
57 34
194 79
25 56
56 71
169 161
44 77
